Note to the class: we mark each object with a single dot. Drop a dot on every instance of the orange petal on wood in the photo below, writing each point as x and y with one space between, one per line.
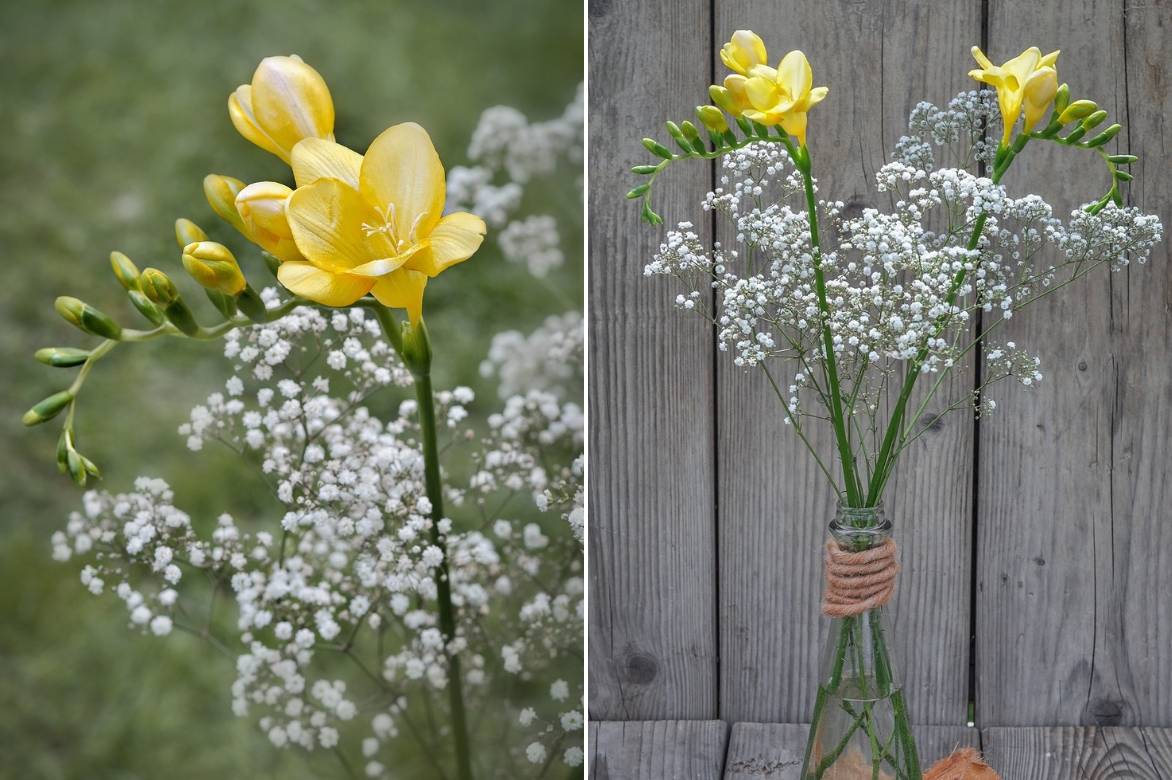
963 764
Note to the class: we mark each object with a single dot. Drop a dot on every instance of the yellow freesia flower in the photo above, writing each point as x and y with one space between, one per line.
286 102
782 96
744 51
1027 81
768 96
375 223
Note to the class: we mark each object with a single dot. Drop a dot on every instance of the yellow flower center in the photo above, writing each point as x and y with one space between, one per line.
387 226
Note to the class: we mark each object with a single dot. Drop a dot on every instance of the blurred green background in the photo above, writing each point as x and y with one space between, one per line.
114 111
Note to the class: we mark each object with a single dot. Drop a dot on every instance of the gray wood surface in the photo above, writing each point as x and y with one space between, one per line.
650 750
705 518
1072 518
774 506
775 750
652 532
1080 753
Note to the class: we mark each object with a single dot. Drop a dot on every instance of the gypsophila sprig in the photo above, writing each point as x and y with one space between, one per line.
382 594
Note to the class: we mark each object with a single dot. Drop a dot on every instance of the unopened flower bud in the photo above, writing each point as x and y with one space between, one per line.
158 287
161 291
85 317
1103 137
47 408
62 357
1062 98
712 118
221 192
145 307
187 232
1094 120
261 207
213 266
1077 110
124 270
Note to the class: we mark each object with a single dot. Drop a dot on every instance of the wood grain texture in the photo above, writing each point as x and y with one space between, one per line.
657 750
1079 753
774 505
1072 524
652 535
775 750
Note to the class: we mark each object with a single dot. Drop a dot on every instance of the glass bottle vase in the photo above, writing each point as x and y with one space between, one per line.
860 728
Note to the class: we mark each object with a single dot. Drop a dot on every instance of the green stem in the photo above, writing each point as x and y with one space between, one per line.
883 462
853 491
447 612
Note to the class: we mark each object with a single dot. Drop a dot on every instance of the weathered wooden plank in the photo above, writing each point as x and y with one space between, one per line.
655 750
774 505
1079 753
1141 488
1074 473
652 539
775 750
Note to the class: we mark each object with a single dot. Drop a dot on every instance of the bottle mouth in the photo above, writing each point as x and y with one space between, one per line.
860 528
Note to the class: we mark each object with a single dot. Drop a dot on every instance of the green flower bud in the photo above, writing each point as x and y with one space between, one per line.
47 408
158 287
722 98
145 307
76 467
1077 110
712 118
221 192
62 357
638 191
124 270
213 266
86 318
1122 159
187 232
1061 99
1103 137
1094 119
161 291
657 148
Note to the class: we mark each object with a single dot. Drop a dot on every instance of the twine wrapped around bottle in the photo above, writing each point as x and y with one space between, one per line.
858 581
963 764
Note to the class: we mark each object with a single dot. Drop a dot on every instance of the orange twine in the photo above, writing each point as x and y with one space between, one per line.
858 581
964 764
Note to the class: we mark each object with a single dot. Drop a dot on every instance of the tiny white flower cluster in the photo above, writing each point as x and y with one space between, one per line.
550 358
902 285
533 242
336 623
506 139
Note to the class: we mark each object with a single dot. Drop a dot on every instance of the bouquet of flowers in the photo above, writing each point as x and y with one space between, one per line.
388 598
849 315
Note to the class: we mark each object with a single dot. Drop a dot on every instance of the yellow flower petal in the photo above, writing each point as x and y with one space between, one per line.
240 112
743 51
290 101
454 240
330 289
762 93
261 207
402 290
794 123
794 75
386 265
1049 59
317 158
980 57
738 98
1039 93
334 226
402 174
816 96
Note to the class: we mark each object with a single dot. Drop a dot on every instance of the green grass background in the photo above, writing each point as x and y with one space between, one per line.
114 111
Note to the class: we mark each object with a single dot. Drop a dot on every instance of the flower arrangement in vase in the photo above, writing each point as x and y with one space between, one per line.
852 316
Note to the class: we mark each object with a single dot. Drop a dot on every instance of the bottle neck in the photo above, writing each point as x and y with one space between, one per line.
860 528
